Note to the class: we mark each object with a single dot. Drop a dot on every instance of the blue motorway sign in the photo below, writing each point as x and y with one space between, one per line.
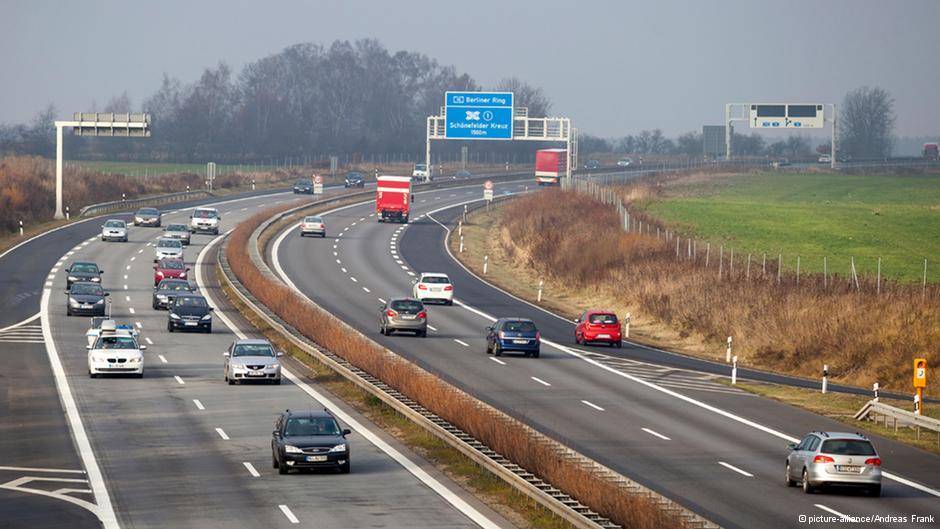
478 115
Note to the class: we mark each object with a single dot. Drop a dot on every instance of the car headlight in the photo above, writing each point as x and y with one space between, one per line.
207 317
161 297
135 360
183 275
174 316
290 449
138 219
73 301
338 448
73 278
100 301
96 279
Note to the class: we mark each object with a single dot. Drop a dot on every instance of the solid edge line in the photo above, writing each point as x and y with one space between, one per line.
24 322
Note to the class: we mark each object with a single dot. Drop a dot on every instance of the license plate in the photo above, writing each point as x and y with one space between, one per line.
191 323
408 316
603 336
87 306
435 290
848 468
256 373
314 459
520 341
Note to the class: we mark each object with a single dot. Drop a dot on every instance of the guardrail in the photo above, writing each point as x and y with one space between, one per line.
92 210
899 418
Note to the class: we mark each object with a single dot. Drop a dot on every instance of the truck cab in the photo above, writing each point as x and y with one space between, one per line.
421 170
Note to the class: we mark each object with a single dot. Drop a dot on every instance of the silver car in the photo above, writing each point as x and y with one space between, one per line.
252 360
167 249
403 314
114 230
834 458
148 217
177 231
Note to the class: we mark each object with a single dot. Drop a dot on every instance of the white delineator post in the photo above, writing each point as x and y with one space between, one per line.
461 244
728 351
874 387
539 298
825 380
734 370
486 262
626 326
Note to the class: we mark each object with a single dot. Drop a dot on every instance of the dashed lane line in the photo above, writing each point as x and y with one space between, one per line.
736 469
222 434
540 381
592 405
656 434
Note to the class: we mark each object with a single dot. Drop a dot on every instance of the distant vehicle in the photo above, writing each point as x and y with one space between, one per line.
177 231
169 269
148 217
434 287
251 359
592 164
834 458
780 162
167 249
82 271
85 297
844 158
303 186
513 334
931 151
97 322
169 288
114 230
205 220
403 314
189 312
463 174
550 165
393 198
354 180
309 439
825 159
313 225
624 162
421 171
598 326
115 351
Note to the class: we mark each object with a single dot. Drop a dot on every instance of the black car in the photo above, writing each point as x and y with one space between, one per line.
592 164
513 334
170 288
191 311
82 271
463 174
85 297
304 185
355 180
309 439
148 217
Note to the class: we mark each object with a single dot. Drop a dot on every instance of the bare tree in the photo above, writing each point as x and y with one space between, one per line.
866 123
119 104
526 95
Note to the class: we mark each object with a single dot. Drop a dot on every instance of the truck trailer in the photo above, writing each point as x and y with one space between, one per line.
393 198
550 165
931 151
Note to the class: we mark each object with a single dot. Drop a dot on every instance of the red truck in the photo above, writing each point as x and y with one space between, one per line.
550 165
931 151
393 198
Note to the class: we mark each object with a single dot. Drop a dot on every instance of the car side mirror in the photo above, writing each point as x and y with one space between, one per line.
68 270
106 294
791 446
66 291
489 329
347 431
100 272
280 353
188 269
226 354
143 347
276 433
211 309
88 347
577 320
102 225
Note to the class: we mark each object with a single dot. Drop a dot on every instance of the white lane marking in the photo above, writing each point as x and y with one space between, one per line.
162 359
429 327
70 253
416 471
343 269
540 381
198 404
461 342
222 434
48 283
53 271
132 258
498 361
411 273
366 289
362 219
354 280
383 301
244 209
140 251
251 470
403 267
53 470
104 509
128 267
149 341
127 298
591 404
736 469
334 246
353 224
139 325
178 379
338 261
845 517
131 310
125 287
287 512
656 434
399 261
21 323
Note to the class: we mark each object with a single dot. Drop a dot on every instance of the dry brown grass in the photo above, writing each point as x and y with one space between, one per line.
784 327
503 434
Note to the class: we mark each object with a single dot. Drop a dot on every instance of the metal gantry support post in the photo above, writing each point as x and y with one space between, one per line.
833 145
59 125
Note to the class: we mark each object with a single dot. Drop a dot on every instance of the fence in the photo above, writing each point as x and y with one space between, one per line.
899 418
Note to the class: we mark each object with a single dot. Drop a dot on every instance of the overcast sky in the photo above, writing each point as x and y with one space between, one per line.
614 67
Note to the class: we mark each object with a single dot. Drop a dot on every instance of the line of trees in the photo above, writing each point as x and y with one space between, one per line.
654 142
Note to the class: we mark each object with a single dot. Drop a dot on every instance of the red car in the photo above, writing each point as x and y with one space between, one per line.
598 326
169 269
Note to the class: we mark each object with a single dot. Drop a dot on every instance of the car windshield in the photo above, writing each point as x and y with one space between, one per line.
437 280
354 176
114 224
519 326
307 426
175 286
303 182
148 211
204 214
406 305
116 342
191 302
83 289
176 227
172 264
253 349
848 447
84 268
313 219
169 243
420 166
603 318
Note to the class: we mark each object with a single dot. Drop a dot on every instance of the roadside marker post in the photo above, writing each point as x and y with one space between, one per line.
461 244
874 387
626 326
21 228
539 299
920 382
728 352
825 381
734 370
486 262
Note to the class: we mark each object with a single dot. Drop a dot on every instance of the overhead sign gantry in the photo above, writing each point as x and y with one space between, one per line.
780 116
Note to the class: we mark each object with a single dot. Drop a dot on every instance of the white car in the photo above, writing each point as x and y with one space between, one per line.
825 159
434 287
205 220
313 225
624 162
115 351
114 230
421 171
100 321
167 249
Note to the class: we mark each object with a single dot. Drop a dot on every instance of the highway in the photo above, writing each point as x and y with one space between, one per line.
714 449
178 448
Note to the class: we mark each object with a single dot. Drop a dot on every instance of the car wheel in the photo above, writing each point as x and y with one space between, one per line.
68 311
154 305
790 482
323 235
277 381
92 375
618 344
807 487
423 334
273 460
208 329
497 350
231 381
577 339
874 490
139 375
344 468
282 469
535 354
169 327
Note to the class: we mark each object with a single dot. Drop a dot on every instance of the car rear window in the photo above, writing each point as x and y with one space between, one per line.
307 426
405 305
436 280
114 224
848 447
169 243
174 285
84 268
172 265
253 349
603 318
313 219
519 326
176 227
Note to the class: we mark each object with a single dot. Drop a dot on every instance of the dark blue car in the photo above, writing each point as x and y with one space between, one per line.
513 334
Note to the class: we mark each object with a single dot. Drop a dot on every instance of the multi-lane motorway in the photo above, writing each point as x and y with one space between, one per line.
716 450
179 448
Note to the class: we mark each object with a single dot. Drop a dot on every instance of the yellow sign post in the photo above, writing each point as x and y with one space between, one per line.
920 382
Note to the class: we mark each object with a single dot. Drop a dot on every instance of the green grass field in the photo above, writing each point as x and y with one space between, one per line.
814 215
